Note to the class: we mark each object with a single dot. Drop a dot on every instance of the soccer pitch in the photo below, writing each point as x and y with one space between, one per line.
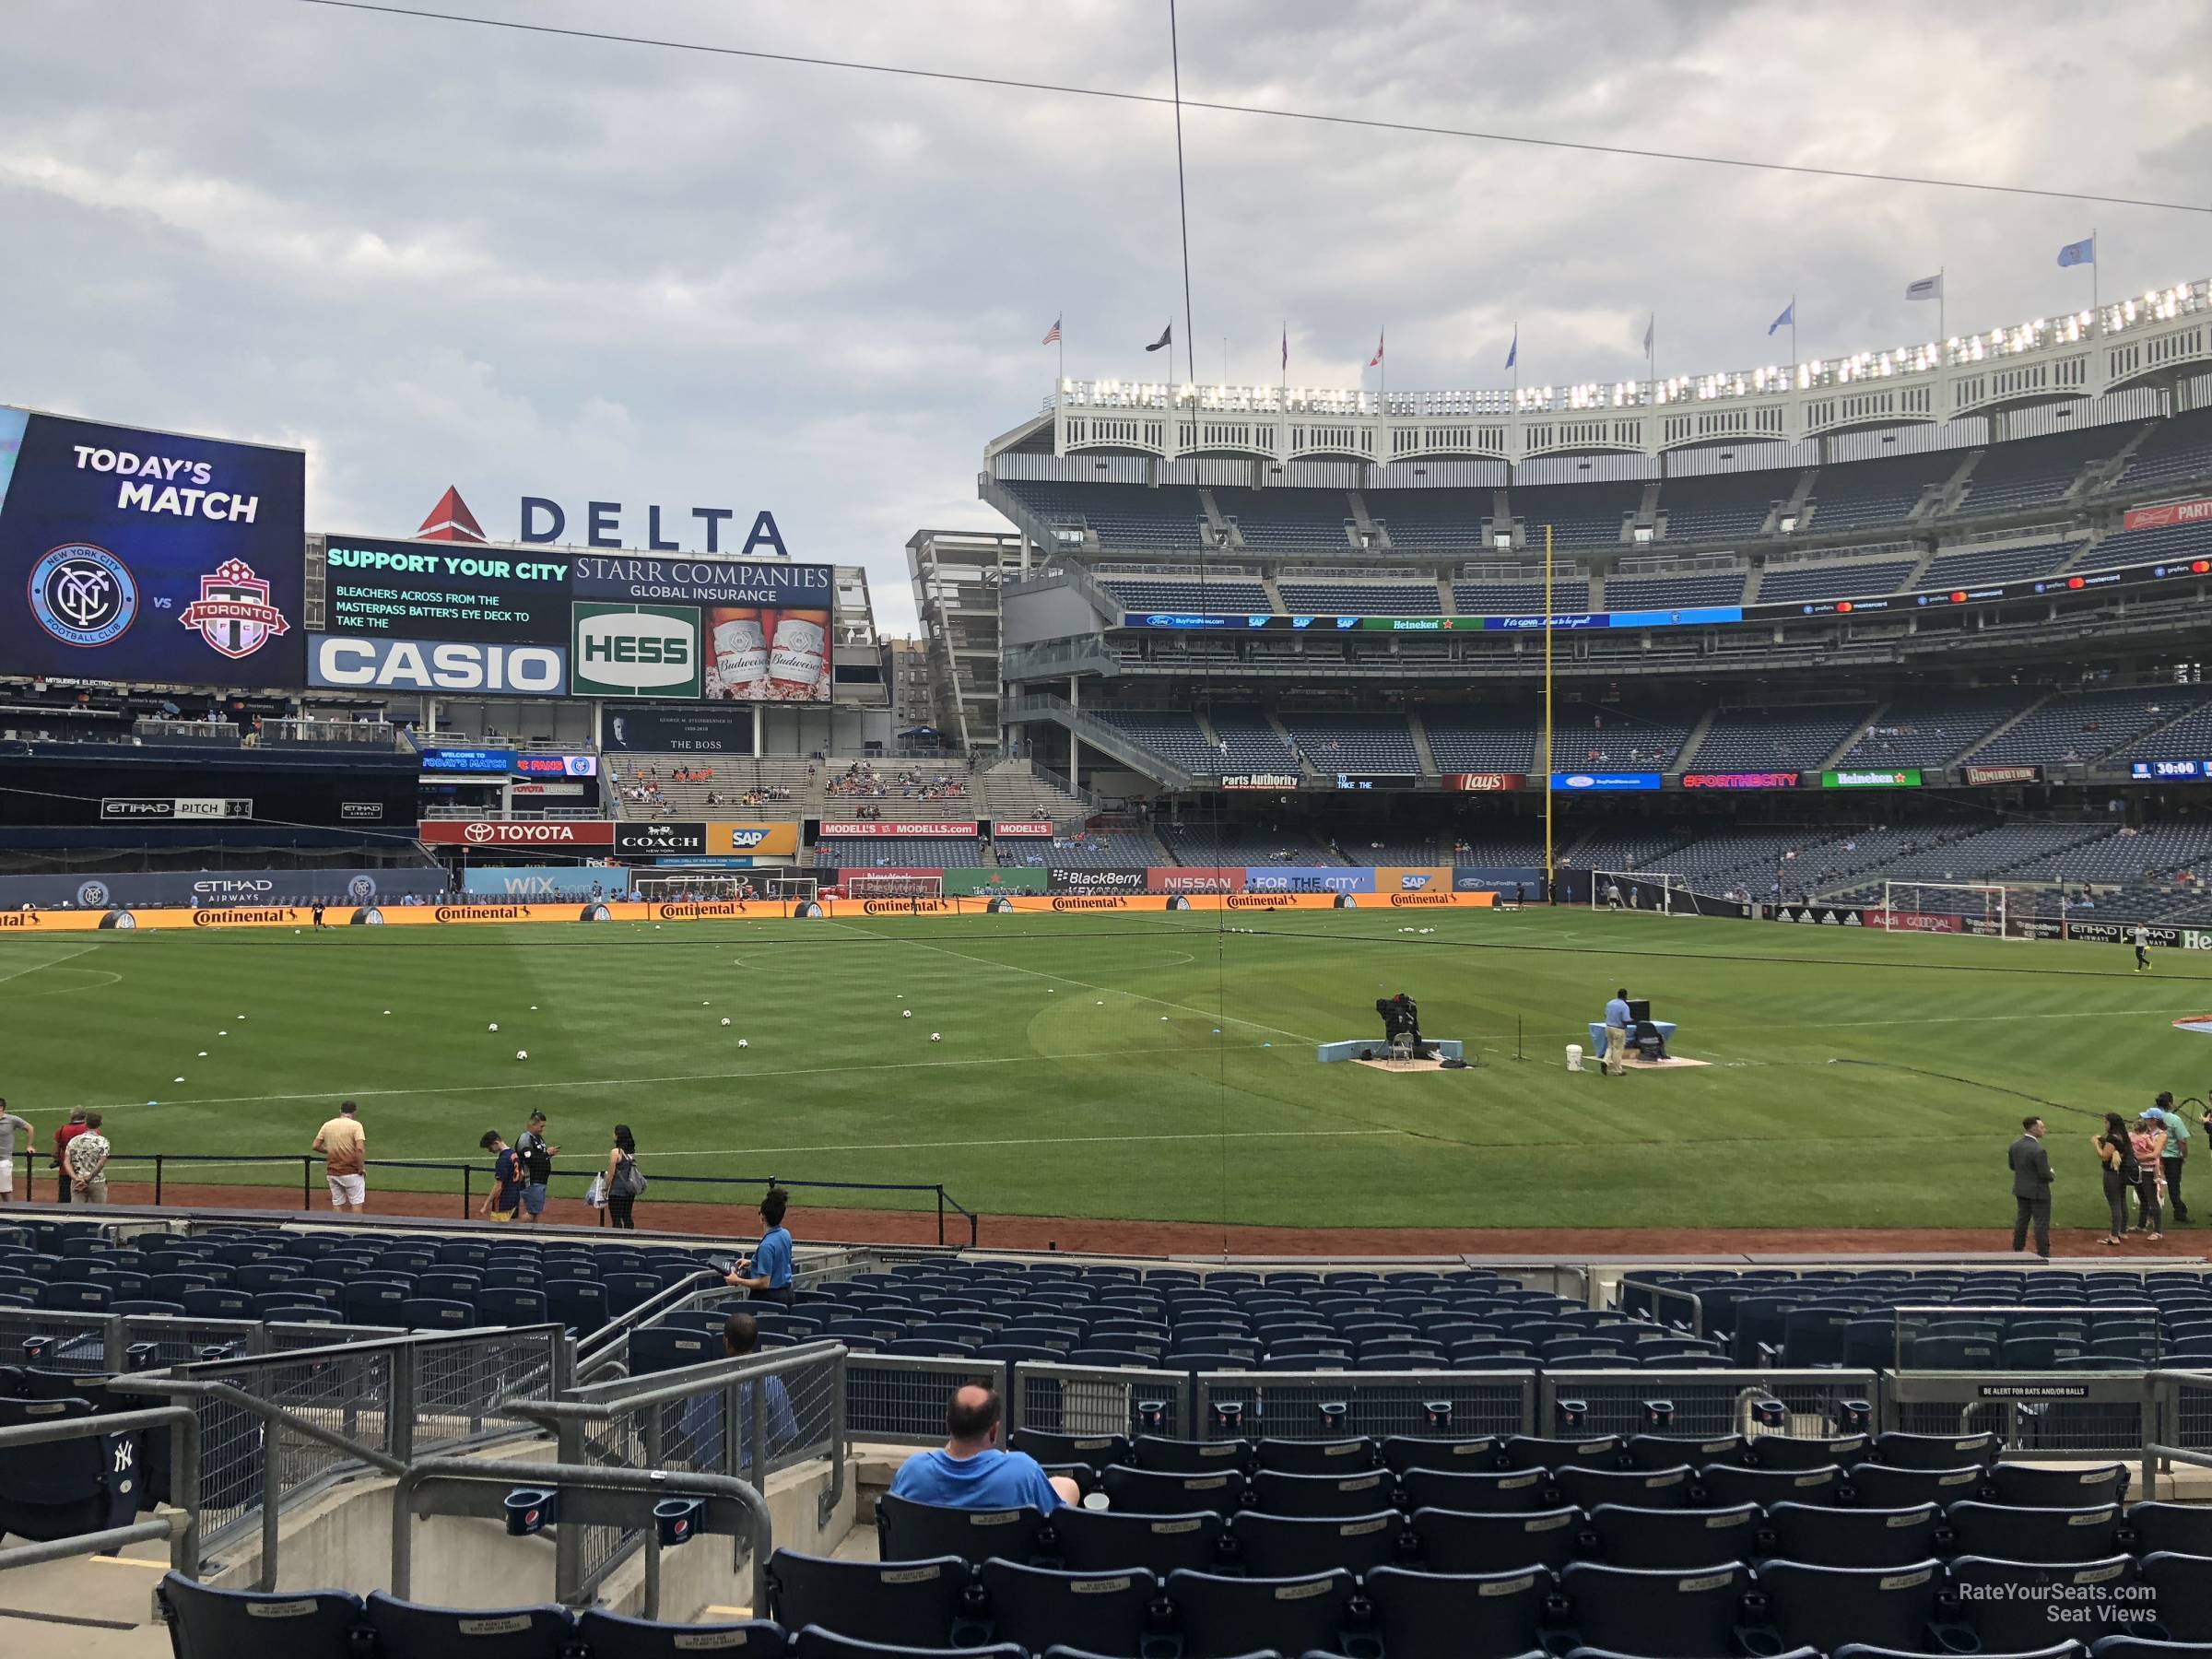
1141 1064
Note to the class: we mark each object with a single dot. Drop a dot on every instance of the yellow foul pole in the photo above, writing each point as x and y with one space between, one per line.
1548 874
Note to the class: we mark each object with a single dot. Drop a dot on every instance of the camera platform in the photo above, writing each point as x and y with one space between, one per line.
1444 1048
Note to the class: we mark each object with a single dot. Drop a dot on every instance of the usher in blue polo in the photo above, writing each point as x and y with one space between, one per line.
772 1260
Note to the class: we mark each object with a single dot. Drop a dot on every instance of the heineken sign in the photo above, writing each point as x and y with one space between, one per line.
1858 777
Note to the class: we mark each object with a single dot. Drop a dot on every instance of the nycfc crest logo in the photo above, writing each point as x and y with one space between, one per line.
83 595
93 895
233 613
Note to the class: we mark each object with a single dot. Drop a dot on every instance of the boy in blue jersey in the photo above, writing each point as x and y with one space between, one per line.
971 1473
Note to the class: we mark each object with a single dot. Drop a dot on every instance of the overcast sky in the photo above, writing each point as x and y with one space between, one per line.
434 253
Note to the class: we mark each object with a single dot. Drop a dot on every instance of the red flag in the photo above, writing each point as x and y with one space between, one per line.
1378 357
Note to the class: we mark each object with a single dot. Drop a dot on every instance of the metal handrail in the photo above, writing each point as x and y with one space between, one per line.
181 1528
590 1350
755 1535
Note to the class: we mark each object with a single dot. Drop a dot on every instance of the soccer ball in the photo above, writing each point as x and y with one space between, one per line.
906 1013
932 1037
493 1025
744 1043
521 1054
726 1019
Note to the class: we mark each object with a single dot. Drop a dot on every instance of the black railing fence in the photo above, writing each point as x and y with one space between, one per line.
471 1181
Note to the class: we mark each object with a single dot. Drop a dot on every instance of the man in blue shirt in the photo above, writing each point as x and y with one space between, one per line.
1616 1033
2175 1154
971 1473
767 1271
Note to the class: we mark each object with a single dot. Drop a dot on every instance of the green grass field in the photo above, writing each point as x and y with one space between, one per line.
1856 1079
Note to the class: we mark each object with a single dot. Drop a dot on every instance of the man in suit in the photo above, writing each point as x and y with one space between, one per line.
2030 1163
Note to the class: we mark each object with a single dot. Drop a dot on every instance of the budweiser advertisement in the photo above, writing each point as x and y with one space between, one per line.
892 828
2198 512
515 833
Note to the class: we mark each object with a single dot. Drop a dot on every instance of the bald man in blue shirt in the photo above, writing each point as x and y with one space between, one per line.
971 1473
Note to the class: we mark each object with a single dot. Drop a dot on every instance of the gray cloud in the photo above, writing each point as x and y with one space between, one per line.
437 255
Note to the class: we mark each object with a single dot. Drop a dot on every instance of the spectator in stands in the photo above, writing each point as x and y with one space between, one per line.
506 1193
88 1161
62 1137
2031 1162
767 1271
11 1126
344 1149
625 1181
971 1473
2175 1153
740 1337
537 1158
2116 1151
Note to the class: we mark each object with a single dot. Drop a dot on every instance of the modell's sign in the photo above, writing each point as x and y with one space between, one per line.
2004 774
2198 512
1024 826
1484 782
894 828
502 833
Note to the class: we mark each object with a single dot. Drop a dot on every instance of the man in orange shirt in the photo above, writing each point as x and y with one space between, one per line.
345 1150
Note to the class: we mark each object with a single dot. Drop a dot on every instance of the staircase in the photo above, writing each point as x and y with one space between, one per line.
1834 758
1306 768
1919 571
1940 499
1992 736
1274 594
1419 728
1794 507
1696 738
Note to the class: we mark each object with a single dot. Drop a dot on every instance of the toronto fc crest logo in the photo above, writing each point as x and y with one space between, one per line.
233 613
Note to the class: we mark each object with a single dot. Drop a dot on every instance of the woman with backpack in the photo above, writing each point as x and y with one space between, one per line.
624 1180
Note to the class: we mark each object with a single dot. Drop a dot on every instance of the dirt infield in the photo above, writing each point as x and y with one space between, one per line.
1195 1237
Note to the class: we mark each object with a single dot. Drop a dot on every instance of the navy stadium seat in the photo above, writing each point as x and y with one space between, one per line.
2035 1488
1664 1451
580 1304
2182 1528
814 1642
1320 1495
1826 1606
1729 1482
1099 1450
1497 1491
2008 1602
537 1632
2011 1533
1314 1458
1666 1540
1162 1492
239 1624
1535 1452
1882 1487
1901 1450
660 1348
1641 1488
1454 1615
1034 1607
1271 1546
1831 1537
1222 1617
1105 1539
63 1487
923 1532
914 1601
518 1304
1453 1541
2180 1588
1402 1452
1658 1615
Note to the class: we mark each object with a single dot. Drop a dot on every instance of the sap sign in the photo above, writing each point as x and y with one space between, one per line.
346 662
543 521
1600 780
636 651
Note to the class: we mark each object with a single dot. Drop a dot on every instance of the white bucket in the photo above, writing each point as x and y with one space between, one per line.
1574 1056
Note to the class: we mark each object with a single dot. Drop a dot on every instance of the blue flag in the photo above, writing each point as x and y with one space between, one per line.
1788 318
2080 252
1513 352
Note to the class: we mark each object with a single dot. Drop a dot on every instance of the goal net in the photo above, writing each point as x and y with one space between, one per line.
711 890
893 887
791 888
1651 890
1968 907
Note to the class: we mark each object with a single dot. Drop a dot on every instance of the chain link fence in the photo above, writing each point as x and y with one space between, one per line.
2189 1414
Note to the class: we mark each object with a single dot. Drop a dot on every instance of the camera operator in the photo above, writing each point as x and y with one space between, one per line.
1401 1015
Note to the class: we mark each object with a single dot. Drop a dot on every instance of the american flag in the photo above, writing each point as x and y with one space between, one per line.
1052 334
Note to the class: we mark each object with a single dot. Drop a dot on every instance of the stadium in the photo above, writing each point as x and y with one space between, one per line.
1530 1022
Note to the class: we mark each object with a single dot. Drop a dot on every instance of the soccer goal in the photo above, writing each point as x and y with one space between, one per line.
894 887
1970 907
1651 890
712 889
793 890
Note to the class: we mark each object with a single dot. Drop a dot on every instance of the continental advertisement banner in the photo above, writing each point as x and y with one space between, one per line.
241 918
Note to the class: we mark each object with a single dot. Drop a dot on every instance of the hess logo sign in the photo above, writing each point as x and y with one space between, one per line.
634 651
